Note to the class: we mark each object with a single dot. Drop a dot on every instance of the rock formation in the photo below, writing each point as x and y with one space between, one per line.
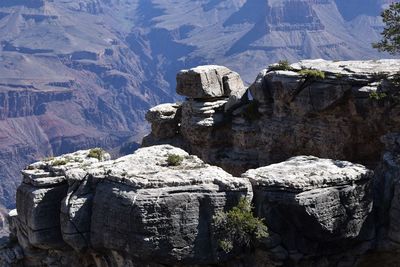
314 145
104 63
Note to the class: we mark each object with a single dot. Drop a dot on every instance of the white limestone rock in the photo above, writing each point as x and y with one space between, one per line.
164 119
161 212
308 198
210 81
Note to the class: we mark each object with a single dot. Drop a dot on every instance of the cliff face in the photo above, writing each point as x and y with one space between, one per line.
78 74
340 112
144 210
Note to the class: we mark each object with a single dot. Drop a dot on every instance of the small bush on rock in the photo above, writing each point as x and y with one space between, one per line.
96 153
312 74
281 65
377 95
174 160
59 162
239 227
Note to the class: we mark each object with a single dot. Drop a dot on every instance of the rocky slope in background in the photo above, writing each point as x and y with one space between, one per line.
145 210
77 74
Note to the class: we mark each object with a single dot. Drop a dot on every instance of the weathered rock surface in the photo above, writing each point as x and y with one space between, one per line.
138 206
139 210
316 206
164 120
323 108
321 210
208 82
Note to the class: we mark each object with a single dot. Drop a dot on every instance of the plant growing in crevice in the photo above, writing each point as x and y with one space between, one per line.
238 227
377 95
174 160
96 153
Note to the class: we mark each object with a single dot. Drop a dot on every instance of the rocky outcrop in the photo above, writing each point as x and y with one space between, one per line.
157 207
319 208
104 63
116 213
142 209
327 109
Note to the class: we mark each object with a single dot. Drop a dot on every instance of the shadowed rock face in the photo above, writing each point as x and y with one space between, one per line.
77 74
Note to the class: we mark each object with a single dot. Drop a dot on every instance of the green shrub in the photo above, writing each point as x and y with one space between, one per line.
174 160
281 65
312 74
239 227
395 80
377 95
59 162
251 112
96 153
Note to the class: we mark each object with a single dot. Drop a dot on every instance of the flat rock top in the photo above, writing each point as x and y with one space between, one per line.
206 68
305 173
149 168
365 68
162 112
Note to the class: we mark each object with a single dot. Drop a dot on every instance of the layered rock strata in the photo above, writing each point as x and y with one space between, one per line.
142 210
323 108
138 208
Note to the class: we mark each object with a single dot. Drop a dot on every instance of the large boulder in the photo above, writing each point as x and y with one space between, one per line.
209 81
152 210
39 198
164 119
310 201
154 206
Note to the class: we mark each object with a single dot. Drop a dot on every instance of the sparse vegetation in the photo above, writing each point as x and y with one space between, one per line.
377 95
281 65
312 74
174 160
251 112
395 80
59 162
239 227
96 153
